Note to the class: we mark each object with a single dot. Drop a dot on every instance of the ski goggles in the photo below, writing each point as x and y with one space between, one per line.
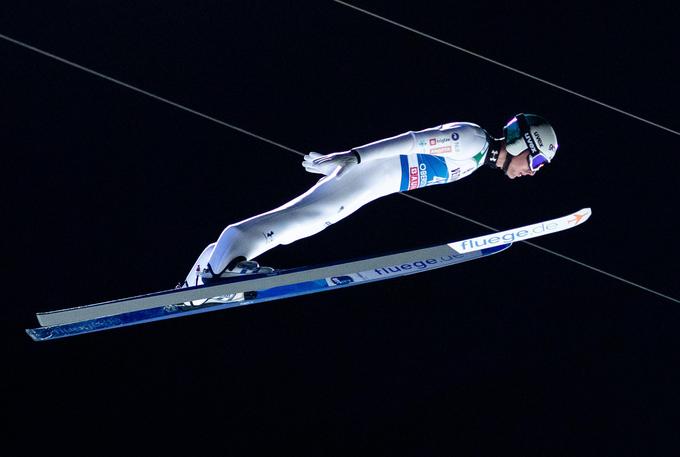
537 161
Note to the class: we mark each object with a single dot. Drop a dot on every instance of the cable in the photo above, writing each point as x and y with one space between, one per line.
144 92
246 132
507 67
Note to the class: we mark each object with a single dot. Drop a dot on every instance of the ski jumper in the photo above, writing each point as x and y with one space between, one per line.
402 163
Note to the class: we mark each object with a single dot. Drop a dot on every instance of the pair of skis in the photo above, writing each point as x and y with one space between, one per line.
284 283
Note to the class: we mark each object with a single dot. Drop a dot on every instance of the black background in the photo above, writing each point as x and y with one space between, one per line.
110 193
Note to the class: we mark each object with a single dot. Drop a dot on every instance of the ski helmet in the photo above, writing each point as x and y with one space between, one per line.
529 131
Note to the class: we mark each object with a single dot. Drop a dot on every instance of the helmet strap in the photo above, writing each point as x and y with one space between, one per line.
493 152
506 164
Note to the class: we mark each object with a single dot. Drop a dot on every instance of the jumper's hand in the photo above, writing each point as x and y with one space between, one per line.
338 163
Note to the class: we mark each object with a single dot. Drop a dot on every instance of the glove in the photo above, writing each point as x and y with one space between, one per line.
338 163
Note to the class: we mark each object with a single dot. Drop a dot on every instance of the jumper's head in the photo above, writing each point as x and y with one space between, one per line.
531 133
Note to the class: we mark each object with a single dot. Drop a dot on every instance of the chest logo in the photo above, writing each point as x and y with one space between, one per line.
440 150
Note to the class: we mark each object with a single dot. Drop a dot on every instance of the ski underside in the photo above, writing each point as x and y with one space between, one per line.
259 288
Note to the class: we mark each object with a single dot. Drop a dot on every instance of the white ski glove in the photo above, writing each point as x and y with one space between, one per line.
339 162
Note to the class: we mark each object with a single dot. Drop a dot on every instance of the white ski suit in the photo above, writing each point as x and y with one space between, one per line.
408 161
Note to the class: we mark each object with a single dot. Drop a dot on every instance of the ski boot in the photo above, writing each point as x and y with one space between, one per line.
241 267
237 267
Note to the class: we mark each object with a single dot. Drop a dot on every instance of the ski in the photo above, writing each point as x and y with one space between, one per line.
284 283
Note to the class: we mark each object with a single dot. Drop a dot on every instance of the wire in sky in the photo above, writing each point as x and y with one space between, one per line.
274 143
142 91
507 67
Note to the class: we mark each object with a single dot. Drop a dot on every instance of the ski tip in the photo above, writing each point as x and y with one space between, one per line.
580 216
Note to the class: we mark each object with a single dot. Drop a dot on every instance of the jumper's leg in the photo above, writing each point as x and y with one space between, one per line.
329 201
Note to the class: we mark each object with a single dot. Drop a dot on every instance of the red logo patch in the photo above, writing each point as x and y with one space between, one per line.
413 179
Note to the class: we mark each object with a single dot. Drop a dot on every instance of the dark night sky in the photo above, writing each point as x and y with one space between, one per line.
110 193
